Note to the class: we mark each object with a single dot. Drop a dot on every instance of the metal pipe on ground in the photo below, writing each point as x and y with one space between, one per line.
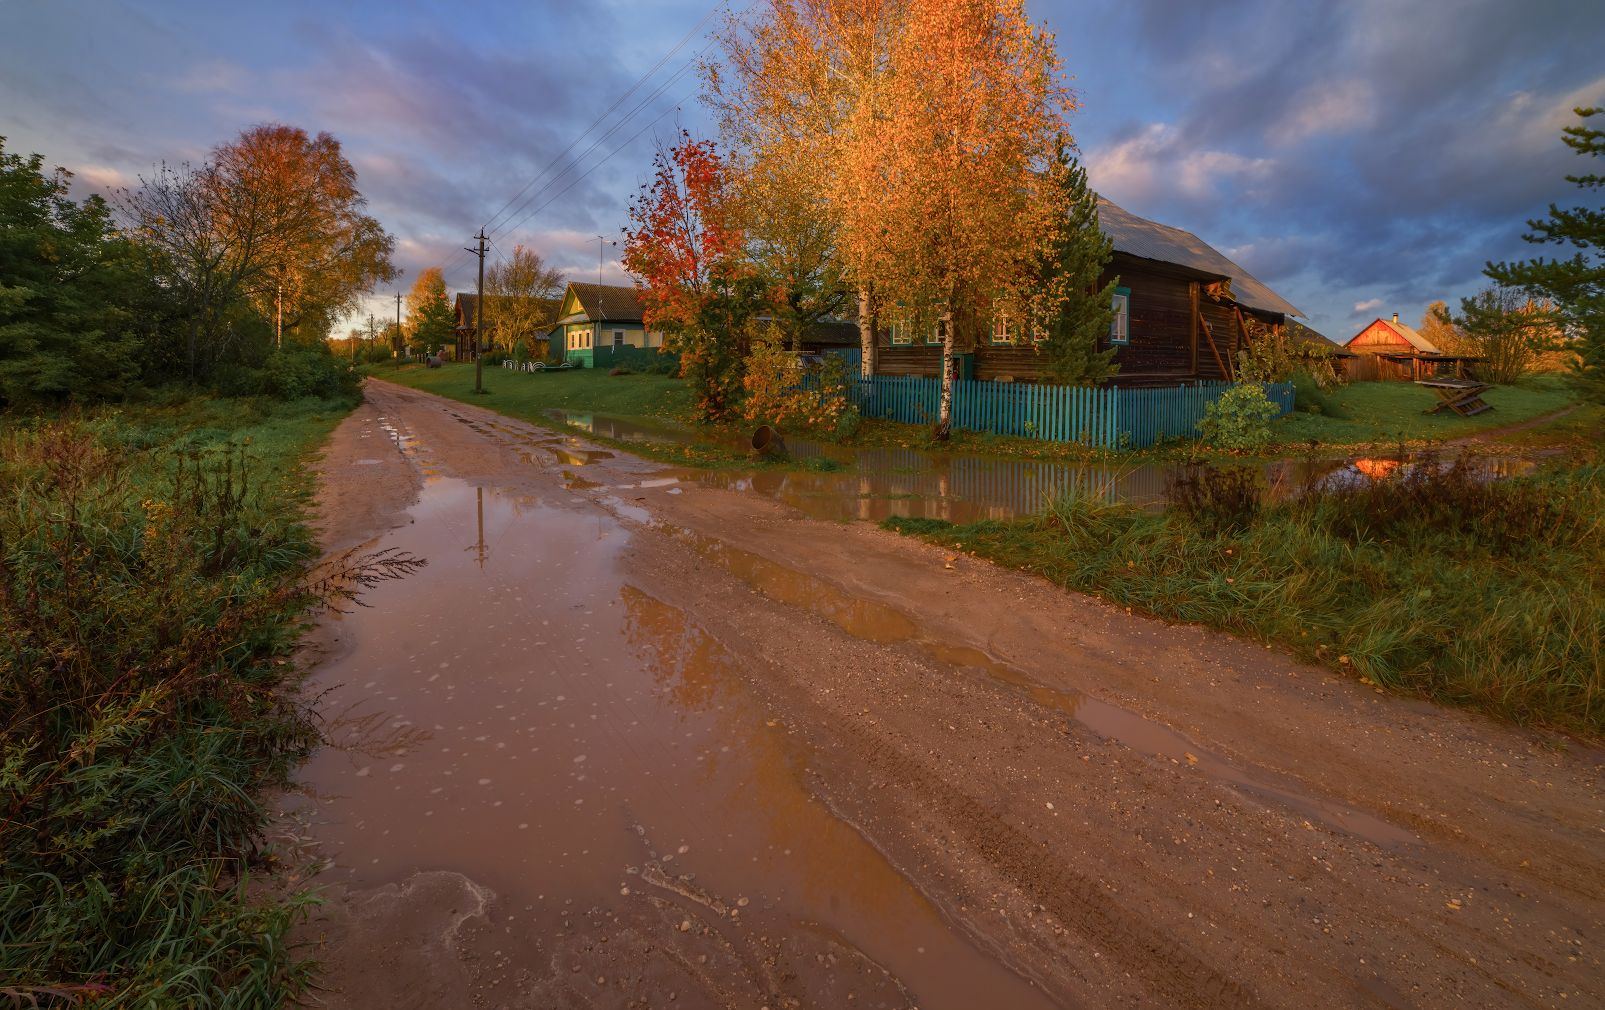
766 442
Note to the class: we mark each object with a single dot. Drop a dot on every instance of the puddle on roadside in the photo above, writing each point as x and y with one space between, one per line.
517 712
881 482
882 623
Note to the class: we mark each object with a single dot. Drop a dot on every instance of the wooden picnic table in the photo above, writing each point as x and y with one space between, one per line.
1463 396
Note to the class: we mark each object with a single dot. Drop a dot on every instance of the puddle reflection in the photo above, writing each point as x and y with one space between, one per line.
520 713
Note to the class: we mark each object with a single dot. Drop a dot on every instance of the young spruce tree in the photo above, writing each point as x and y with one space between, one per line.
1071 258
1576 285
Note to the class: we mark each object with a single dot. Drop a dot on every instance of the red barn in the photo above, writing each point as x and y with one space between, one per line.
1391 350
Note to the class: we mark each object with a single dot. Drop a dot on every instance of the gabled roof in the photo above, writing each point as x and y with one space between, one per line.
618 304
467 306
1406 334
1150 240
1300 335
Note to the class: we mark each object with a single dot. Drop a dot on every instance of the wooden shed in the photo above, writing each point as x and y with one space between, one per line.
1388 350
1184 310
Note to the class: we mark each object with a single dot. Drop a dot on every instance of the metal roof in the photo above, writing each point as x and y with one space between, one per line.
1411 337
1150 240
619 304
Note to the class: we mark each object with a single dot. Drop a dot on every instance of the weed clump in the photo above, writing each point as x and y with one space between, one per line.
148 604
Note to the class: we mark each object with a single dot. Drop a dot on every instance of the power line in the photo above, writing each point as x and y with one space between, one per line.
507 224
666 57
674 79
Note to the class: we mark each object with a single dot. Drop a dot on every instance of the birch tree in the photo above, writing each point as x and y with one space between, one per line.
976 106
801 94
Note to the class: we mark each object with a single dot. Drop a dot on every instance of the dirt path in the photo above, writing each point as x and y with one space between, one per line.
636 740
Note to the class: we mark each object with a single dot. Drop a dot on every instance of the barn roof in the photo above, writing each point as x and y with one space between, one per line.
1150 240
1409 336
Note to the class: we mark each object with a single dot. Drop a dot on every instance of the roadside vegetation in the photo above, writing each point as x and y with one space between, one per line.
1432 581
154 574
166 374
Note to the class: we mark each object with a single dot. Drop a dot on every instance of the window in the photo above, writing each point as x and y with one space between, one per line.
1000 329
935 336
1039 327
901 331
618 338
1120 325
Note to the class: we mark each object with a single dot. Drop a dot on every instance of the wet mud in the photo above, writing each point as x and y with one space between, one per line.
637 739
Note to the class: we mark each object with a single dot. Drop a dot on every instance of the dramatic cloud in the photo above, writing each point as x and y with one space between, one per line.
1366 153
1371 153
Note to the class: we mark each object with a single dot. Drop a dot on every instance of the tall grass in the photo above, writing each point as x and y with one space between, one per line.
1435 582
149 601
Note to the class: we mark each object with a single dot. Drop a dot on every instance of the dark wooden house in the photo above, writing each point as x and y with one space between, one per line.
1183 310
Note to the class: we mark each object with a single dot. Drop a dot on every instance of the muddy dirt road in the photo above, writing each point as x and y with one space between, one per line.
633 739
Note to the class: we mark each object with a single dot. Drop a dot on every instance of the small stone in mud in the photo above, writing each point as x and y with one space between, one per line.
742 902
363 772
685 925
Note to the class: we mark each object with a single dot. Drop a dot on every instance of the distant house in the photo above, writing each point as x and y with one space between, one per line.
600 315
1183 311
1390 350
467 310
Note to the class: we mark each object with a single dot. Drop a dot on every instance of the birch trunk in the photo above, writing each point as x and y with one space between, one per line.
944 415
866 335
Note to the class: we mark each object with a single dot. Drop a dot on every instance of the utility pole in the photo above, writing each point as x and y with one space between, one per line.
396 350
479 311
600 315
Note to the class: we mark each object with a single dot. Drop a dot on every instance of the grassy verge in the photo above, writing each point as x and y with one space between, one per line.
635 397
1366 415
1388 413
1434 583
154 584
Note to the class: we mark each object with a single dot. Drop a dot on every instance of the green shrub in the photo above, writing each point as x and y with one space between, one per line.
1309 396
1240 418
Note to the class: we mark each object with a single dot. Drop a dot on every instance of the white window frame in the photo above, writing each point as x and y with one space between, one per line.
1000 328
618 338
1120 325
902 332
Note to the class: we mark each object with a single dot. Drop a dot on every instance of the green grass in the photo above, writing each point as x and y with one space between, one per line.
1373 414
154 566
1490 596
529 395
633 397
1388 413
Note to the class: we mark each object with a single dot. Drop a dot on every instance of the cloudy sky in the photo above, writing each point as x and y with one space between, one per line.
1361 156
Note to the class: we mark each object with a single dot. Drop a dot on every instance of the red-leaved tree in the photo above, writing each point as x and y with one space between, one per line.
685 251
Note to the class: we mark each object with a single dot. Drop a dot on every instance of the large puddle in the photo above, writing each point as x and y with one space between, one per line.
877 483
520 713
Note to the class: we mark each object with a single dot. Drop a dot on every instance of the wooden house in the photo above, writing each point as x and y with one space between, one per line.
1390 350
1183 311
600 315
466 307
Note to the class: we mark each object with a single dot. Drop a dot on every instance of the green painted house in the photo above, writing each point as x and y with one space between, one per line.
600 315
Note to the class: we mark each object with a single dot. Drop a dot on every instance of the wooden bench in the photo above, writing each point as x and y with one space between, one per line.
1463 396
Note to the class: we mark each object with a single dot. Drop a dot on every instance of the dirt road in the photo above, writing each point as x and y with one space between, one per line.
633 739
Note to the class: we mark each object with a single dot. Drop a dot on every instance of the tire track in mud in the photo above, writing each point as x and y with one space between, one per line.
1094 916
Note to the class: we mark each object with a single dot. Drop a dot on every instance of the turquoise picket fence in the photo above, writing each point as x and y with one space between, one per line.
1105 418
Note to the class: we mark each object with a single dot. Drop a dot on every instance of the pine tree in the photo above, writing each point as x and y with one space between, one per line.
1575 285
1072 256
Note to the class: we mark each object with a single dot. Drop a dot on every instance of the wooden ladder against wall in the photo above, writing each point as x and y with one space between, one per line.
1223 365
